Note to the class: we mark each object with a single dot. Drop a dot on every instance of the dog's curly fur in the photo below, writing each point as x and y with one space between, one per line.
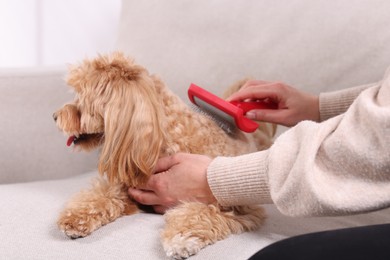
136 119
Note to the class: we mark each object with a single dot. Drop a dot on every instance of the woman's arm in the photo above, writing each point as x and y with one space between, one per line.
339 166
332 104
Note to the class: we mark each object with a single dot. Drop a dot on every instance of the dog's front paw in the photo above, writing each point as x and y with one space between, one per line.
77 224
182 246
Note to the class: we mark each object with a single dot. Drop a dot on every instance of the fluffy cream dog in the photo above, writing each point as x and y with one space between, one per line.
136 119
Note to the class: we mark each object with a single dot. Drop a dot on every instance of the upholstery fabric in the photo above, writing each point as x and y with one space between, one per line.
313 45
31 147
28 214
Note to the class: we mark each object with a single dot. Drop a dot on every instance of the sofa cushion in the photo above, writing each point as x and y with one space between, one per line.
313 45
28 228
31 147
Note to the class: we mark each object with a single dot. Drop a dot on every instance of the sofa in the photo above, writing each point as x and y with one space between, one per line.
315 46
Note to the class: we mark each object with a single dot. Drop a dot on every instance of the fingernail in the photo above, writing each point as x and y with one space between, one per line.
251 115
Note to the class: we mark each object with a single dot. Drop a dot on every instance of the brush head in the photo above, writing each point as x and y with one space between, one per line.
225 122
228 115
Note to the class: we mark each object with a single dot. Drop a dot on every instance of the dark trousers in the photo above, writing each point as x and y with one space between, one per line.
359 243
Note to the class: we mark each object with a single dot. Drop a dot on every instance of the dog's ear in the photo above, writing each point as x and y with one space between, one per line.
133 132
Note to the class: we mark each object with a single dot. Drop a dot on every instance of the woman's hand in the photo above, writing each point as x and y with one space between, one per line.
293 105
180 177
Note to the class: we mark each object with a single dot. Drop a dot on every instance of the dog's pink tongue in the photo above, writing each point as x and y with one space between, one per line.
70 140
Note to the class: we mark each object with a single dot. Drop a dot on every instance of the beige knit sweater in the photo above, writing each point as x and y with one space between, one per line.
339 166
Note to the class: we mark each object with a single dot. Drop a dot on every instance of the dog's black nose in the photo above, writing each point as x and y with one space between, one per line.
55 117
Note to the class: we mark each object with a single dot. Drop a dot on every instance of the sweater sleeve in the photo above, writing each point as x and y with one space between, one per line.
337 102
340 166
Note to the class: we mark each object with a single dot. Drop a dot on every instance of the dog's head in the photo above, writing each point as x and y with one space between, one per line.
116 107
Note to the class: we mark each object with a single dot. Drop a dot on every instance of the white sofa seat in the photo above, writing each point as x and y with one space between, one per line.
28 214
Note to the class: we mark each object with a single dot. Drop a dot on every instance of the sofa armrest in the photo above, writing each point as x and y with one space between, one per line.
31 146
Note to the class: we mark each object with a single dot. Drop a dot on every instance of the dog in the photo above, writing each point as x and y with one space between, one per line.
135 119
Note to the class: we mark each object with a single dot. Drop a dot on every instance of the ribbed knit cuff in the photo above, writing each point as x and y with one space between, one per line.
335 103
240 180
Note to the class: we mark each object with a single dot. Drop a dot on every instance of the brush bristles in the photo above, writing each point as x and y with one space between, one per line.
228 126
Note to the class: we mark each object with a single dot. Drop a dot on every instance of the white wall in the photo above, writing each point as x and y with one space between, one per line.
56 32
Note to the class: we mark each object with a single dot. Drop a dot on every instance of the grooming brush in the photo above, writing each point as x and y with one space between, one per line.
228 115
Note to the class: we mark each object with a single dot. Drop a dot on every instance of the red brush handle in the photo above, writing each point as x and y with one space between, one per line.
234 109
251 105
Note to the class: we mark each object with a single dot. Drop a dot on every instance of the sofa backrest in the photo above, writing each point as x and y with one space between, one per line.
316 46
31 146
